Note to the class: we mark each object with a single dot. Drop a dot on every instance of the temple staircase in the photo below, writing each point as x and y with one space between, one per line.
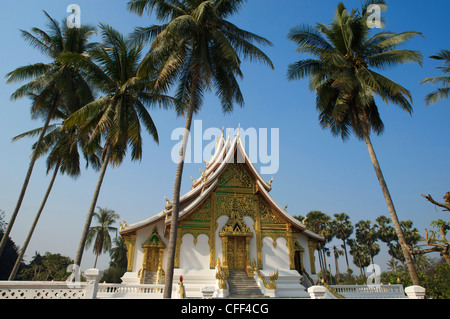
150 277
241 286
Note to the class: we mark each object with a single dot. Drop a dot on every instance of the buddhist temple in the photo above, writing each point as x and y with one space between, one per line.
230 229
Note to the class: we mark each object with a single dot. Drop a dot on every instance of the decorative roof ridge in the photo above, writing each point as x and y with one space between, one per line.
286 215
194 204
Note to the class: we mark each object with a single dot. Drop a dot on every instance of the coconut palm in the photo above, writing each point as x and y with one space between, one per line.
118 115
442 92
99 235
64 158
118 254
199 50
51 84
343 76
342 229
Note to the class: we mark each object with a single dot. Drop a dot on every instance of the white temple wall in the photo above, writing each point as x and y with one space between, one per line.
141 237
221 221
194 257
275 257
253 251
303 241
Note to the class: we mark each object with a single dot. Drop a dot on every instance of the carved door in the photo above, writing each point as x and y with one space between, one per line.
152 261
236 252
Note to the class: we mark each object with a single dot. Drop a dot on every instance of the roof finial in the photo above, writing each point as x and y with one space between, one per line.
270 182
239 129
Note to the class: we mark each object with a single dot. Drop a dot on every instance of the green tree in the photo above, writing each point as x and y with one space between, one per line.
360 253
118 263
118 115
344 79
386 234
10 252
62 147
367 235
319 223
199 50
342 229
99 235
50 267
442 92
337 252
51 84
118 254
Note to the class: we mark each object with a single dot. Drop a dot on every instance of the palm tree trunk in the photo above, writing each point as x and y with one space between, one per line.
176 195
33 227
392 212
95 262
87 224
346 255
28 176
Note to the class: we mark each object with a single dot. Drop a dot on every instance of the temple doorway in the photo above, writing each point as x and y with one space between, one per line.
237 255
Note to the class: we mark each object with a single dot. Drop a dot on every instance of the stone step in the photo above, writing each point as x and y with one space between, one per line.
241 286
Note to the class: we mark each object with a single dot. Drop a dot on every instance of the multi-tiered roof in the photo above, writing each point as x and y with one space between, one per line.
226 152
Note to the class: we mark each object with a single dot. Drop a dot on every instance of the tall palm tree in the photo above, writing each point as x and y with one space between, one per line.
51 84
64 158
99 235
118 254
118 115
386 233
442 92
361 255
367 235
337 252
319 223
342 228
199 50
342 76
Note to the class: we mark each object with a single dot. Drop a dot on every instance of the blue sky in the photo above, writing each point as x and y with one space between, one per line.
316 172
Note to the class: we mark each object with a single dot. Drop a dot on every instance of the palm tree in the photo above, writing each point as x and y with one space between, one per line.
64 158
337 252
117 116
200 51
366 235
51 84
343 77
442 92
99 235
118 254
361 255
342 228
386 234
319 223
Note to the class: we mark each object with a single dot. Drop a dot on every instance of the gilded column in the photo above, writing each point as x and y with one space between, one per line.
250 272
225 255
212 233
130 242
259 244
290 242
312 245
